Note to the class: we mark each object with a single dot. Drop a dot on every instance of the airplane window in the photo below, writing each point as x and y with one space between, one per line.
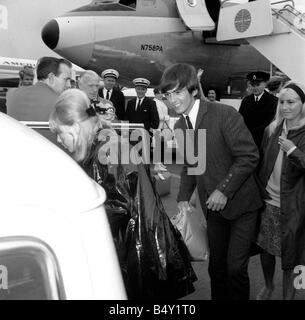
109 5
237 87
32 272
129 3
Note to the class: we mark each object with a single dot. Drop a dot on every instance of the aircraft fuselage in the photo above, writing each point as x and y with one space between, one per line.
142 42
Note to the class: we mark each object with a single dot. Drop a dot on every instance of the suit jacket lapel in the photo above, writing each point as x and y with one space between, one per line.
112 97
263 98
203 108
201 112
181 123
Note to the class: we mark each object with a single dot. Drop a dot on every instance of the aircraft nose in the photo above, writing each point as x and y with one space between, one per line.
71 37
50 34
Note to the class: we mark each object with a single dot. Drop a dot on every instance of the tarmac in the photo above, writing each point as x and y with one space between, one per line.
202 285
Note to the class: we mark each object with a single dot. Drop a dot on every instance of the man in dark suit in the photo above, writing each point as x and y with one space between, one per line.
142 109
227 190
112 93
35 103
258 109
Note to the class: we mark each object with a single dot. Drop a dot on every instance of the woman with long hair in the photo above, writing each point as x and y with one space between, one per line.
282 173
83 133
153 258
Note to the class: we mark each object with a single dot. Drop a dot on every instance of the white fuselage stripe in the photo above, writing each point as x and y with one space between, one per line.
75 31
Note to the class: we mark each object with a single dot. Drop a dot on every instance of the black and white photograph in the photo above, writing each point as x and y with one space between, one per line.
152 152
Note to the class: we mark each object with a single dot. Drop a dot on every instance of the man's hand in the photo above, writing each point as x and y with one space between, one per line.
285 144
217 201
184 206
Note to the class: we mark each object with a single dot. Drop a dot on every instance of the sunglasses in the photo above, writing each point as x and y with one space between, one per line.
101 109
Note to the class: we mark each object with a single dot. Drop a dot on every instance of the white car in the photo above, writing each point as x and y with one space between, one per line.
55 240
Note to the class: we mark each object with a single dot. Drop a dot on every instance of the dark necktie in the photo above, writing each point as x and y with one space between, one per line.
188 122
138 105
108 94
256 99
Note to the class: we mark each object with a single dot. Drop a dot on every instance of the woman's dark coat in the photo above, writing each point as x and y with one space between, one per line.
292 193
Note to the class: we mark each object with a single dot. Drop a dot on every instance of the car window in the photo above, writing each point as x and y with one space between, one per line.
28 270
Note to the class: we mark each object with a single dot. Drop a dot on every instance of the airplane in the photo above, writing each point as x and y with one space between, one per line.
142 37
10 67
21 22
20 39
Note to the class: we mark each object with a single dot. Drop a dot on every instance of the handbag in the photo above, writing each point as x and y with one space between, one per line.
194 234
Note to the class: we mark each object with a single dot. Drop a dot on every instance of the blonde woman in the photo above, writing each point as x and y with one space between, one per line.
84 133
153 258
282 172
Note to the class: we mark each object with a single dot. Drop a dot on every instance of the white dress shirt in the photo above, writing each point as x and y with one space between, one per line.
105 93
137 103
257 98
193 113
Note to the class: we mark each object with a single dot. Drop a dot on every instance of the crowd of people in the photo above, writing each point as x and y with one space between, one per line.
254 177
252 189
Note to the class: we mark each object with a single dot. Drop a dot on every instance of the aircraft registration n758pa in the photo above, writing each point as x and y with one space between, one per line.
142 37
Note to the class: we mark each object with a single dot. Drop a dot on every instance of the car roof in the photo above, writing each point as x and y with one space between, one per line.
36 172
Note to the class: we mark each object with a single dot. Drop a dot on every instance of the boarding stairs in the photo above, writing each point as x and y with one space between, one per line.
276 30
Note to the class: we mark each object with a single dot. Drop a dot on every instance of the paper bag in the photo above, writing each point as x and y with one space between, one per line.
194 234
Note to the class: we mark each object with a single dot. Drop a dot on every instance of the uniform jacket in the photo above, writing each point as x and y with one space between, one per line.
118 100
292 196
39 99
231 158
147 113
258 115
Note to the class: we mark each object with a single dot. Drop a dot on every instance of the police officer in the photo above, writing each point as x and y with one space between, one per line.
258 108
142 109
112 92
